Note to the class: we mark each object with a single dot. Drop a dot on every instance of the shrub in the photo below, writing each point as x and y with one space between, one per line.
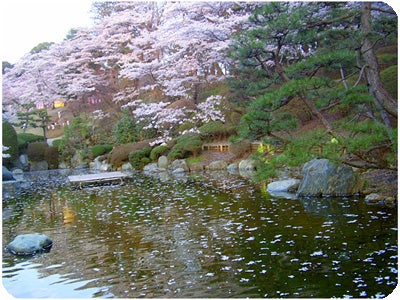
51 156
25 138
10 140
157 152
185 146
125 130
75 138
175 154
213 129
36 151
100 149
139 158
56 143
121 153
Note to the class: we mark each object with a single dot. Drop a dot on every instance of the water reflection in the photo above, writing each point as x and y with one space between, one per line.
209 235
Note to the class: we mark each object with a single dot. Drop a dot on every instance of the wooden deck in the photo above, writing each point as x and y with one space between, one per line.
96 178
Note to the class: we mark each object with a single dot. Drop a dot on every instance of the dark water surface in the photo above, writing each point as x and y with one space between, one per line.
198 236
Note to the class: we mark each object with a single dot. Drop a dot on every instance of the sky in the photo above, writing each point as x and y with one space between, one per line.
27 23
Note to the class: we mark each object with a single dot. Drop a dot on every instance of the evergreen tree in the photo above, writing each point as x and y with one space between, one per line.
126 130
306 56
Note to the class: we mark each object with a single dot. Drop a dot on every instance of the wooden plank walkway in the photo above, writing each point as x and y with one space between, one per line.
96 178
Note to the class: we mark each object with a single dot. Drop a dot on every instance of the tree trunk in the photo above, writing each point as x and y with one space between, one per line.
382 97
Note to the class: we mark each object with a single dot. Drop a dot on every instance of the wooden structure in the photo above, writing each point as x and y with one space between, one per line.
255 145
221 147
97 178
224 146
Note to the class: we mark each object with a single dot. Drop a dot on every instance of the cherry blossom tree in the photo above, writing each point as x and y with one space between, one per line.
134 48
165 121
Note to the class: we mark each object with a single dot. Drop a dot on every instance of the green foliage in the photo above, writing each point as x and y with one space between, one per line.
100 149
390 81
388 58
156 152
42 46
36 151
121 153
300 149
215 129
51 156
25 138
125 130
365 135
56 143
185 146
6 65
75 138
10 140
139 158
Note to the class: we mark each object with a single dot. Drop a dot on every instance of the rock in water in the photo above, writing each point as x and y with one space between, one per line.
324 178
29 244
7 175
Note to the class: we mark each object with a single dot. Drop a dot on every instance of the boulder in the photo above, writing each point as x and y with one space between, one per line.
23 159
7 175
288 185
100 164
151 168
39 165
179 164
283 188
162 162
18 174
375 198
126 167
247 164
218 165
178 171
232 168
29 244
324 178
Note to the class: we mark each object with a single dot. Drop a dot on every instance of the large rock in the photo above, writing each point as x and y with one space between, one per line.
31 243
162 162
232 168
151 168
39 165
324 178
288 185
126 167
7 175
100 164
247 164
23 159
179 164
18 174
218 165
283 188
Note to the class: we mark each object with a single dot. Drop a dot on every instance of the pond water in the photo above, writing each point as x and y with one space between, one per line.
204 235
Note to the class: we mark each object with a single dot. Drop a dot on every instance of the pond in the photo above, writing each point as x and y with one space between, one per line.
205 235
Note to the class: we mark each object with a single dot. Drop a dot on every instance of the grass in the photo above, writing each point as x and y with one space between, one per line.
195 160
